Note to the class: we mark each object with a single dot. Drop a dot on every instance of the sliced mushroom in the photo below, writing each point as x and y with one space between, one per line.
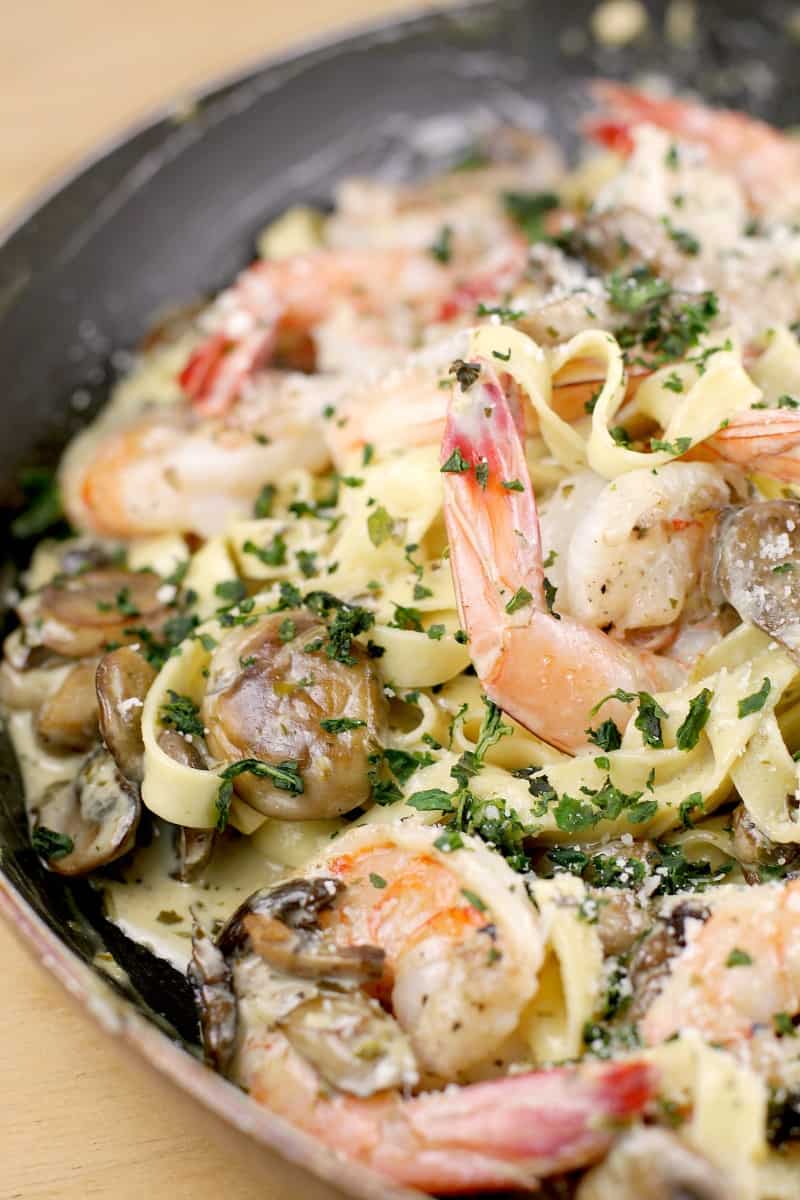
756 566
270 687
82 614
290 974
122 681
212 983
85 823
193 847
67 720
622 919
296 904
654 1163
754 850
652 959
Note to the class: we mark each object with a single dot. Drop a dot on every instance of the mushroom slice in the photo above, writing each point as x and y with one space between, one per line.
756 566
122 681
212 983
754 850
288 972
80 615
656 1164
651 961
85 823
67 719
275 695
193 847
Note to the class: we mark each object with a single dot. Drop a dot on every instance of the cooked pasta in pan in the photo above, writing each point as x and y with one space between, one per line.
426 656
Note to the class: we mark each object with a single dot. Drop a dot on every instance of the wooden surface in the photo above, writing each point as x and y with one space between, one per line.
79 1117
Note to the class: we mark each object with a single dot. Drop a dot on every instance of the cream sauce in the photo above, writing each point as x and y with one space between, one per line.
153 909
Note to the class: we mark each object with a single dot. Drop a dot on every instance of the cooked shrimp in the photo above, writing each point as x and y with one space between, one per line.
454 945
752 151
546 670
277 308
173 470
635 557
739 968
767 440
459 971
498 1135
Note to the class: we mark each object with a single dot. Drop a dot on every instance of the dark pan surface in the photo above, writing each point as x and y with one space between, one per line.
171 212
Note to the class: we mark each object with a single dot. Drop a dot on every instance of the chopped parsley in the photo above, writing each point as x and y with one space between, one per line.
287 630
499 310
272 555
50 844
442 248
678 447
482 473
406 618
687 807
339 725
514 485
528 211
42 503
231 591
474 899
738 958
756 701
376 880
520 598
380 526
265 500
607 736
648 719
689 730
284 775
550 592
431 800
182 714
456 463
449 841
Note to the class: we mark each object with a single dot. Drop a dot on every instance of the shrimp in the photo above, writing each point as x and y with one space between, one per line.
453 946
174 470
738 969
767 441
635 555
497 1135
750 150
545 669
277 309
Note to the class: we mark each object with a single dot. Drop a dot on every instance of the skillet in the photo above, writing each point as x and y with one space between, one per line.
170 213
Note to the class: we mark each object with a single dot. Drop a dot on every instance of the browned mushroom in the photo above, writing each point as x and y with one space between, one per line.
193 847
755 851
276 696
87 822
756 566
122 681
212 983
82 614
67 720
652 959
654 1163
278 955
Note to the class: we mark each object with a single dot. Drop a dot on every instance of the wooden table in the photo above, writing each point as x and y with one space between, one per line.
79 1117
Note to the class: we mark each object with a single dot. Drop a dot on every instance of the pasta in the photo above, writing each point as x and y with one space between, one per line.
448 565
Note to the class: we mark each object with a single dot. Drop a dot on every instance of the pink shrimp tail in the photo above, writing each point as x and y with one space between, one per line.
767 440
505 1134
510 1133
546 671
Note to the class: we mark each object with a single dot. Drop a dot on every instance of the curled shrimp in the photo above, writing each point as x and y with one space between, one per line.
546 670
752 151
453 945
740 966
385 296
174 470
767 440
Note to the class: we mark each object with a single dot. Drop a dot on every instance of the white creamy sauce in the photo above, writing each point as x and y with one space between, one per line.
153 909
